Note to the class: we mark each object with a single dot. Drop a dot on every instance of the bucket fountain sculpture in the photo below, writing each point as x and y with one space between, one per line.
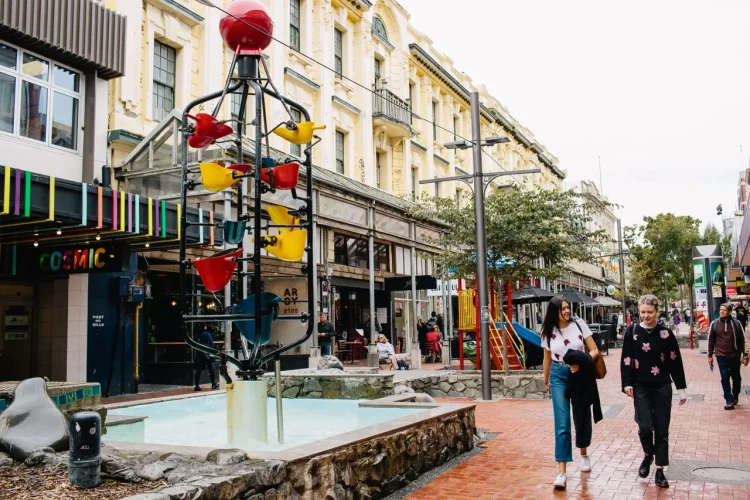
247 29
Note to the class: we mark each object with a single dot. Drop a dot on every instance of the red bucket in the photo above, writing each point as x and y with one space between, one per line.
216 271
284 176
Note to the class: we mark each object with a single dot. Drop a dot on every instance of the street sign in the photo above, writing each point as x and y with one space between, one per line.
485 315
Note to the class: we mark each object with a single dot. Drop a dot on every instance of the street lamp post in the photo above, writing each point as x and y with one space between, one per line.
480 181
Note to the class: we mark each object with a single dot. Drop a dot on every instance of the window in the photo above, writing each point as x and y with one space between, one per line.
339 152
164 71
295 149
378 156
338 52
377 73
434 120
414 183
235 106
32 90
352 251
455 128
294 24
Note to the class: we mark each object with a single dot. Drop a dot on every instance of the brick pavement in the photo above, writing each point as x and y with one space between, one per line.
519 463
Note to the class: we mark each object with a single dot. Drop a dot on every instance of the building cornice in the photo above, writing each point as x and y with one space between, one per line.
349 107
301 79
190 17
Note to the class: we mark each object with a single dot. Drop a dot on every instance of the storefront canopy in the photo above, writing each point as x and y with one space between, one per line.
574 296
38 212
607 302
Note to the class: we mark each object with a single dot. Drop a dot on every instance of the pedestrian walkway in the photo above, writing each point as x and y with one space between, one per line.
519 462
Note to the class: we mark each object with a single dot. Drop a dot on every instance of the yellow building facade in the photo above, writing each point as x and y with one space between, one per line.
390 103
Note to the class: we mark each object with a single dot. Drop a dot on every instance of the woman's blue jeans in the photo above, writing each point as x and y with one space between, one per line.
558 377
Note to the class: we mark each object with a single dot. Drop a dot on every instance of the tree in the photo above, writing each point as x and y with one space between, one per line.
665 243
522 226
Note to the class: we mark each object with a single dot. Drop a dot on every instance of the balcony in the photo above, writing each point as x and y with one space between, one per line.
391 112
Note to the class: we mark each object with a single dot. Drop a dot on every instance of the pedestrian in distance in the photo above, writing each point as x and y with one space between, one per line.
202 361
726 339
326 332
650 362
568 376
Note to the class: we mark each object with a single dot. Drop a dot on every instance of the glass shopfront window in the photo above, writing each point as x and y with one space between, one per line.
352 251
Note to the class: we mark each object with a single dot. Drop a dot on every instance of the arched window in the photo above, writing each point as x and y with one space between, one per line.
378 28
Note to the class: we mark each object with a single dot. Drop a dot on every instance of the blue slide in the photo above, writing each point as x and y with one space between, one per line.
532 343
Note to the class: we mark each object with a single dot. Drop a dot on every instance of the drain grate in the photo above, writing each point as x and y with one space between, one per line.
722 474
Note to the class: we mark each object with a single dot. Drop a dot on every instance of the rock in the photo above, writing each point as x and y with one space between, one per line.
292 392
156 470
402 389
471 383
226 457
437 393
472 393
330 362
445 387
311 385
173 457
519 393
313 395
41 456
5 459
455 394
181 491
512 381
32 421
114 467
534 395
452 378
336 493
424 398
459 386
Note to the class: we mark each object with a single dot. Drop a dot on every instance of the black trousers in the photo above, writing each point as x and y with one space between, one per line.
199 365
653 411
730 369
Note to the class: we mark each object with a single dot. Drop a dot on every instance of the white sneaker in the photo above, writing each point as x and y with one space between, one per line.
586 467
560 481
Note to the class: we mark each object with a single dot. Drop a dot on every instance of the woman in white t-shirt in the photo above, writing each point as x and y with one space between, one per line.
560 333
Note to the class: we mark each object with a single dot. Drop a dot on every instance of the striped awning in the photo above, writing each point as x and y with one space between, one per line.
38 211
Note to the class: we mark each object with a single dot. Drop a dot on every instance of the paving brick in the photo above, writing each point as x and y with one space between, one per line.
519 463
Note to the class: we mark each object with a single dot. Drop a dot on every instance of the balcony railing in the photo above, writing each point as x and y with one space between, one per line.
389 105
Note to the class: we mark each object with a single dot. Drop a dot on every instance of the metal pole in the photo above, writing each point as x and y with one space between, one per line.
371 264
622 268
414 283
279 406
481 235
666 295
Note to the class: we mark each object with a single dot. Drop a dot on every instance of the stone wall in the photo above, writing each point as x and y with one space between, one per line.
468 384
332 386
379 466
368 469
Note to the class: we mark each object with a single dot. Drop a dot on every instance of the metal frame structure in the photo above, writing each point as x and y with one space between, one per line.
249 83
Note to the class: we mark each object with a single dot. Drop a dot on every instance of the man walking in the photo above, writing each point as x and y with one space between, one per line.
741 315
325 335
727 339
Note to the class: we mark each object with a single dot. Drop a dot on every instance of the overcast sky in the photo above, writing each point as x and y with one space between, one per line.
658 88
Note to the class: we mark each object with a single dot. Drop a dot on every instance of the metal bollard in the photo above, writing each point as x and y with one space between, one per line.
85 455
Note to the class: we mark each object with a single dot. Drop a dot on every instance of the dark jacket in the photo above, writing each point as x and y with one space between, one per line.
326 329
739 336
200 357
581 387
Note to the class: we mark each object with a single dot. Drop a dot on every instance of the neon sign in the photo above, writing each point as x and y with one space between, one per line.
80 260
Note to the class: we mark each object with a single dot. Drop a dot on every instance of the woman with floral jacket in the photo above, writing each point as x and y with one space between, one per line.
651 361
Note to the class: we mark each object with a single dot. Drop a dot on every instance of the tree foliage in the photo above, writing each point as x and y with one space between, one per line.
522 227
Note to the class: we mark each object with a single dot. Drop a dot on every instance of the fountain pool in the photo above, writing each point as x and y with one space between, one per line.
201 421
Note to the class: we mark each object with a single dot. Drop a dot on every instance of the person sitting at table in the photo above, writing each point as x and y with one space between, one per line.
386 351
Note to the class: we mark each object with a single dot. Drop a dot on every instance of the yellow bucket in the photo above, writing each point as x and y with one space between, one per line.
215 177
289 246
302 135
280 215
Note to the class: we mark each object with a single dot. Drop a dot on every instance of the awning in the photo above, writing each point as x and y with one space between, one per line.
574 296
531 295
607 302
40 212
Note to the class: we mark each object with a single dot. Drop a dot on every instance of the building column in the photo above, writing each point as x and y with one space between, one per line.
77 337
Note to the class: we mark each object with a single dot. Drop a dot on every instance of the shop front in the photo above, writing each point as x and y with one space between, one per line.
72 288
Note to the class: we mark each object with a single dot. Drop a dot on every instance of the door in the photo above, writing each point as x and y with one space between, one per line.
16 323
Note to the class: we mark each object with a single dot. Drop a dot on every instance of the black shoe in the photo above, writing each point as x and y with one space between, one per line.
215 386
729 406
736 401
660 480
197 388
645 467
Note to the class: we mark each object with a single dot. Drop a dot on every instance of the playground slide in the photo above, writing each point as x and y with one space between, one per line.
532 343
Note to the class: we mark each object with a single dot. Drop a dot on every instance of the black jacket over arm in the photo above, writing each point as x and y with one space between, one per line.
581 386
